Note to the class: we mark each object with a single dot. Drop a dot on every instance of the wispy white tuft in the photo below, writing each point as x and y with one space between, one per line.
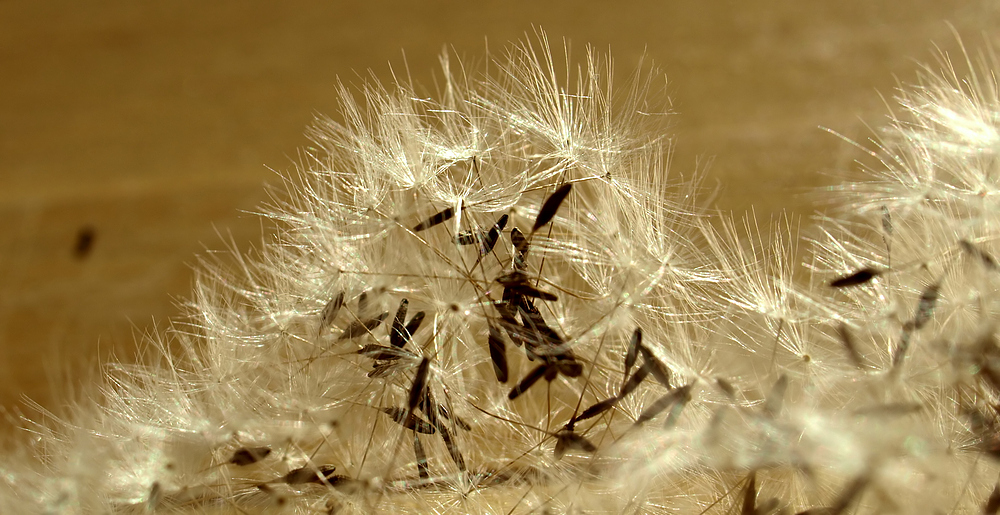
499 299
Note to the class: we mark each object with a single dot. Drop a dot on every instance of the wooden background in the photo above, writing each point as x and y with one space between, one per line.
153 124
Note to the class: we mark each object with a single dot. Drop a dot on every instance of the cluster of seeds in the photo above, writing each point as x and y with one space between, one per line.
437 259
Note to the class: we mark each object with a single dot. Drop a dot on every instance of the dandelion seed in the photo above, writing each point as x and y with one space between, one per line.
517 283
383 353
396 335
154 497
678 396
463 425
750 496
423 470
595 410
637 378
360 328
491 238
857 278
550 206
453 451
435 219
249 455
847 339
528 381
498 353
658 369
520 249
419 385
330 311
726 387
308 474
928 300
979 254
776 397
567 440
992 505
405 418
633 350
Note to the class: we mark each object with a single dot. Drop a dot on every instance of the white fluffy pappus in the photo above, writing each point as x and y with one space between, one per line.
500 300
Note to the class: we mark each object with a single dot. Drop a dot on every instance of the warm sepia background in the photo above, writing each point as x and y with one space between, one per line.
154 125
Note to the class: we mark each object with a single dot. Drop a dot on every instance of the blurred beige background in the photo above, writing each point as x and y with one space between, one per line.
155 124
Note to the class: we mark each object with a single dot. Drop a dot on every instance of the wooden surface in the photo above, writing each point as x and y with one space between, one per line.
153 125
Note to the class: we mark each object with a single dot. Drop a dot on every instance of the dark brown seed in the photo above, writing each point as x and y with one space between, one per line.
569 440
463 425
632 353
675 396
530 379
331 310
551 205
776 397
925 308
857 278
595 410
683 398
848 496
363 304
361 327
467 238
726 388
770 505
520 249
979 254
491 238
498 353
638 377
439 217
852 349
381 352
249 455
452 447
992 505
418 450
413 422
750 496
518 283
658 369
569 367
539 334
155 494
904 345
419 384
510 324
396 338
412 326
381 369
307 474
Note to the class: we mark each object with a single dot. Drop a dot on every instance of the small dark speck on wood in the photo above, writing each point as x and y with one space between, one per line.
84 242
